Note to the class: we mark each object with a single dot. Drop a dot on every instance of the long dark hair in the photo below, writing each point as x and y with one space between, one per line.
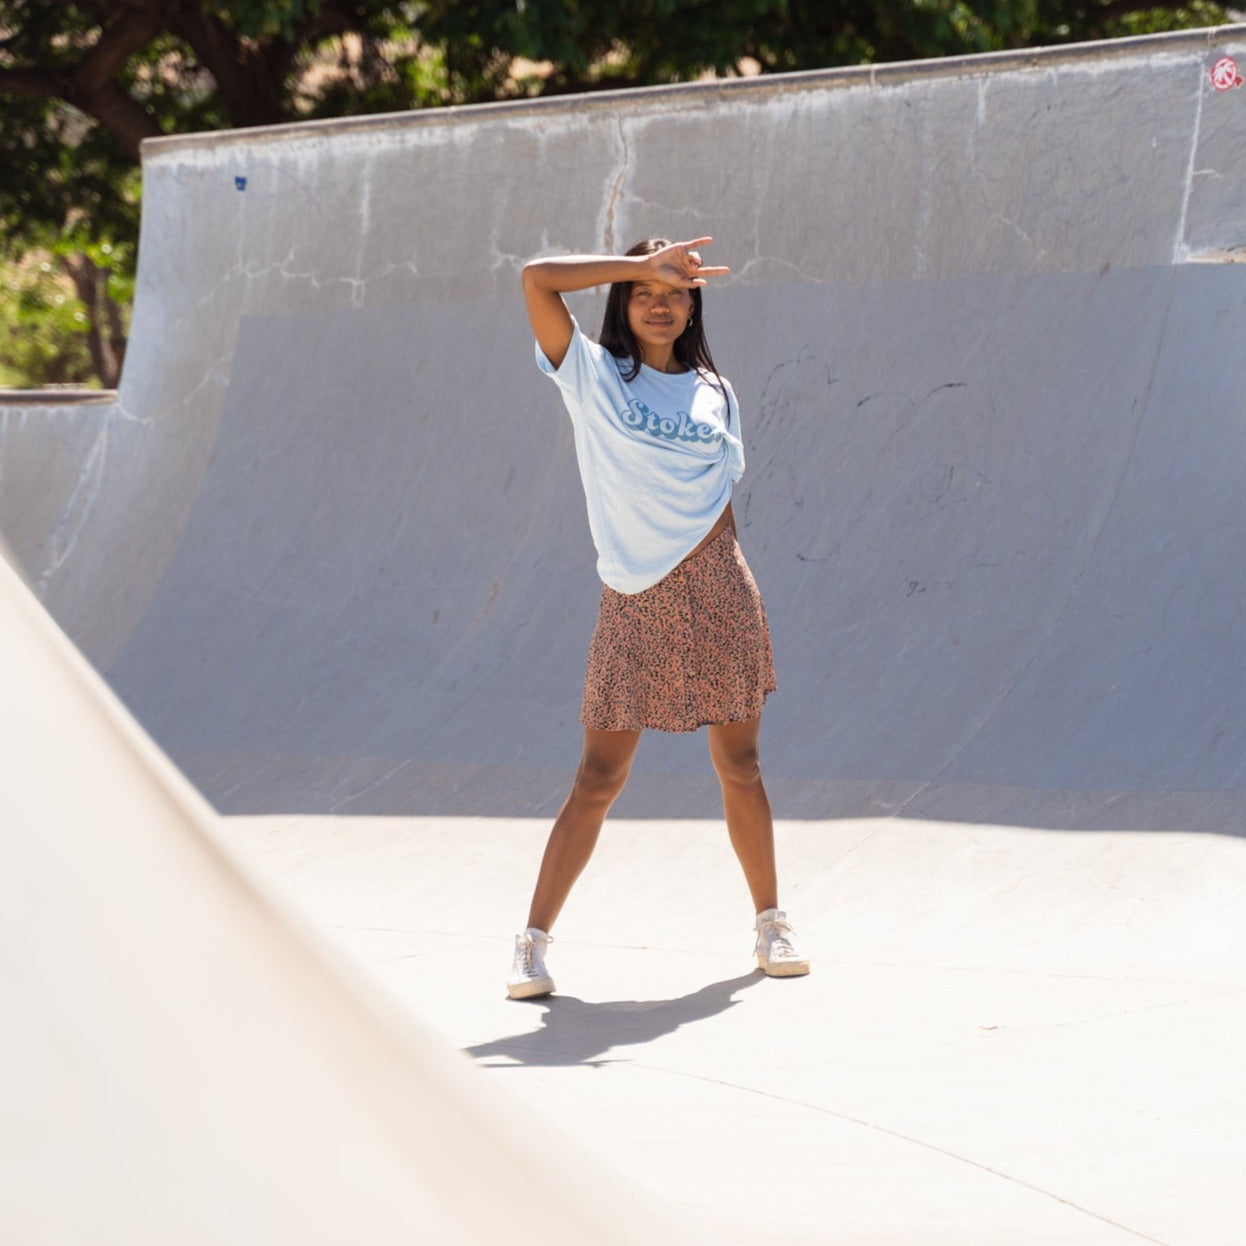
691 348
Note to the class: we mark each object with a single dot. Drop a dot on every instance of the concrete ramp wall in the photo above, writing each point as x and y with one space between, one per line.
186 1063
329 542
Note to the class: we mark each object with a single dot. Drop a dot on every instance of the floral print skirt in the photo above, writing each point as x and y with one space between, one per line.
692 649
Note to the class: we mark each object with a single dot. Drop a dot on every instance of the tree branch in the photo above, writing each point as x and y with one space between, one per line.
112 50
326 19
237 70
91 86
34 84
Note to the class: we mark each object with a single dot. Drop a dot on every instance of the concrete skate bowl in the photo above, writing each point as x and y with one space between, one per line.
328 541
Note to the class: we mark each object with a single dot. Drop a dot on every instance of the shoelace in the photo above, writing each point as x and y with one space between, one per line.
530 954
777 932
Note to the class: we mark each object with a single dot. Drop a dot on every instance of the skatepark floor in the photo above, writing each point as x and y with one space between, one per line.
1009 1035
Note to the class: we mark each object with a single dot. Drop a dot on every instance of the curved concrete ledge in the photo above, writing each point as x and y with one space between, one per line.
56 397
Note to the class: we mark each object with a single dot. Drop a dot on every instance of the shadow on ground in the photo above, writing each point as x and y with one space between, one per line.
575 1031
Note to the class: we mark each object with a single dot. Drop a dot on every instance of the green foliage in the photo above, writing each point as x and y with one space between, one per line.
43 327
62 176
588 46
266 20
1193 16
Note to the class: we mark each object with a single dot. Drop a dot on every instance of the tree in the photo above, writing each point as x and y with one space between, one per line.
64 312
83 83
655 41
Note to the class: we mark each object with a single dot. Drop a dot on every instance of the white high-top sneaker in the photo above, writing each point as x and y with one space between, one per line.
775 953
529 977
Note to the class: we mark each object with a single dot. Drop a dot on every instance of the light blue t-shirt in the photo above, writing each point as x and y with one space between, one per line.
657 456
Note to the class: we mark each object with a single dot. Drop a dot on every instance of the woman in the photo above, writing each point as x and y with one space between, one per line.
681 639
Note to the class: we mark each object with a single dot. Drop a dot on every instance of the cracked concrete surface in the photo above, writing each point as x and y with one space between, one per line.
1009 1035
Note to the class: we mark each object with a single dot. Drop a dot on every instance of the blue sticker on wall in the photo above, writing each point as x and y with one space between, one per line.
240 183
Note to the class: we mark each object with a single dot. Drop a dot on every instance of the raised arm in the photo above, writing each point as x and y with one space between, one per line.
546 281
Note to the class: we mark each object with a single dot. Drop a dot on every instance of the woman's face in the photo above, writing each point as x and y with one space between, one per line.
657 313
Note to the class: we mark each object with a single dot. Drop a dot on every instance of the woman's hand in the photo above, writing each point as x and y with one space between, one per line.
545 281
680 264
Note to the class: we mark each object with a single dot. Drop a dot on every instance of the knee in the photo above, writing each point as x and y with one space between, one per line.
739 765
599 780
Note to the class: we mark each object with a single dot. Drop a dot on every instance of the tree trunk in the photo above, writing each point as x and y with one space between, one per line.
92 84
105 337
250 78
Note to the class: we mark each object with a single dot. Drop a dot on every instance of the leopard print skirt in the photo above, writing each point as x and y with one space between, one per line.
693 649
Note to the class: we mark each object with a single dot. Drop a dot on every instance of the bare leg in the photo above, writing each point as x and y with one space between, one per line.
603 770
734 752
